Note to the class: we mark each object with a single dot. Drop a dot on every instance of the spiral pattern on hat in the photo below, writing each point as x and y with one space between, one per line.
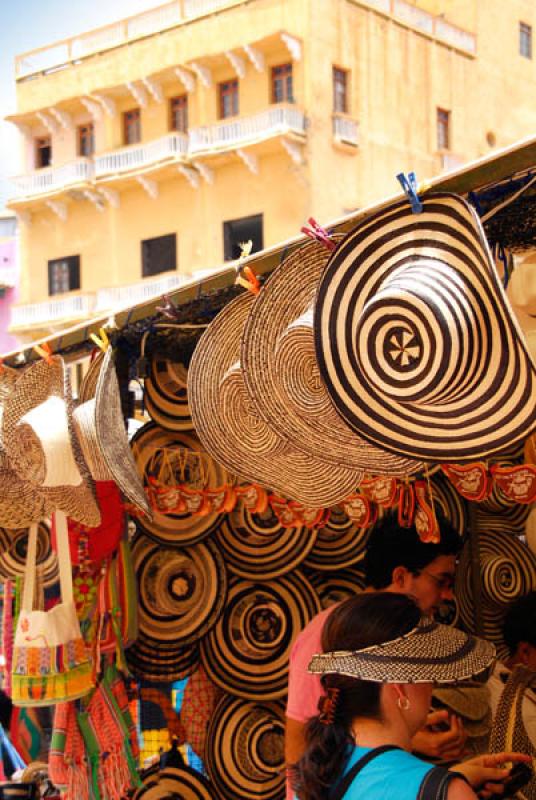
415 338
339 543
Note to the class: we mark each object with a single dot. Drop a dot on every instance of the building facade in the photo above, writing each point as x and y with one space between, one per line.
9 277
154 146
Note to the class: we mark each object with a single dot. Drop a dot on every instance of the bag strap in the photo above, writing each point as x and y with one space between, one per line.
435 784
29 571
64 557
342 787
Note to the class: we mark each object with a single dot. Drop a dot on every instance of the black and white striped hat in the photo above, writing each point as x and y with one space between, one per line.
416 340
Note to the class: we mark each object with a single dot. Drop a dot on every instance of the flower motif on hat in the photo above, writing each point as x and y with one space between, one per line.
403 348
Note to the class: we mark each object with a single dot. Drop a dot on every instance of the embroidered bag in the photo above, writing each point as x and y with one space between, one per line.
50 662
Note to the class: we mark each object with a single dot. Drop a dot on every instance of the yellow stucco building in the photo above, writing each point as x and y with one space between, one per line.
155 145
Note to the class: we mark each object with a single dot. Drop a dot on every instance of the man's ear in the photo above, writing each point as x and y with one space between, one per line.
400 578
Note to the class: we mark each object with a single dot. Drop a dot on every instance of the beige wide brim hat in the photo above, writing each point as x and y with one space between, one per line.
237 436
101 429
41 445
430 652
282 375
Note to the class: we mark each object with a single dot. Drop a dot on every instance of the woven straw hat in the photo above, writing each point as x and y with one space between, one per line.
173 783
182 591
282 376
416 340
234 433
339 543
88 387
256 545
334 587
150 447
150 662
13 551
247 651
40 442
166 395
244 756
507 571
429 652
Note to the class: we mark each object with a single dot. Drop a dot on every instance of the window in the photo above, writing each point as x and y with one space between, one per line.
525 40
340 91
237 231
86 140
63 275
228 99
158 255
282 84
43 152
131 126
178 107
443 129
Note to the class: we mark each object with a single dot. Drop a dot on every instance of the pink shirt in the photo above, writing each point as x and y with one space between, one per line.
304 689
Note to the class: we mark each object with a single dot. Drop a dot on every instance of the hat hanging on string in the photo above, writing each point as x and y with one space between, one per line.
416 340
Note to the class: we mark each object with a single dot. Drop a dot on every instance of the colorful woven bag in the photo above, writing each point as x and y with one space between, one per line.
50 661
118 604
67 762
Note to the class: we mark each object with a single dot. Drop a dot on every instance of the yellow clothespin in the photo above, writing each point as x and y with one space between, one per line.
44 351
101 340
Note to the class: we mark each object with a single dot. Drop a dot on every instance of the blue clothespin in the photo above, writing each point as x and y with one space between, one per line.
409 185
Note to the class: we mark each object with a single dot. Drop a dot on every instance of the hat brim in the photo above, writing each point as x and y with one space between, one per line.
166 394
429 653
415 338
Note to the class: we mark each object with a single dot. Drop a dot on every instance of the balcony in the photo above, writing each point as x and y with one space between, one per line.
450 161
119 297
69 307
345 130
142 157
50 180
238 132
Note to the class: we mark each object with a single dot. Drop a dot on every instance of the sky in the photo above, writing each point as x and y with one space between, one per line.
28 24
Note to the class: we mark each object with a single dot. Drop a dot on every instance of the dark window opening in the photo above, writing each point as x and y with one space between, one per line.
178 107
132 126
63 275
86 139
443 129
238 231
282 84
43 152
158 255
340 90
525 40
228 99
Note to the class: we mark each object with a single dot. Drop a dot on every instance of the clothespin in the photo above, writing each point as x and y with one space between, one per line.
168 309
246 277
44 351
318 234
1 365
101 340
409 185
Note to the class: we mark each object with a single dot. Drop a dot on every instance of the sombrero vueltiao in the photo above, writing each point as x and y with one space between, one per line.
13 552
246 653
281 372
256 545
175 782
149 444
334 587
245 749
166 395
416 340
429 652
451 503
339 543
234 433
41 445
507 571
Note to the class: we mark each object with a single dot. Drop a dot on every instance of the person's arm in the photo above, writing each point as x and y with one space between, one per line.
487 773
460 790
294 740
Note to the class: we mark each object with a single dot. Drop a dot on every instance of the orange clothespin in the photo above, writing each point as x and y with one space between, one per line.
245 275
44 351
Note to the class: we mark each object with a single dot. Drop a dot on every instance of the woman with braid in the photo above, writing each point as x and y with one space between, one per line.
380 660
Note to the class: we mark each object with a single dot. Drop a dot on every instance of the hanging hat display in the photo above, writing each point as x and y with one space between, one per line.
88 387
173 783
416 341
14 550
334 587
339 543
181 590
507 571
200 699
246 653
151 662
245 749
166 394
451 503
281 372
40 443
170 459
237 436
257 545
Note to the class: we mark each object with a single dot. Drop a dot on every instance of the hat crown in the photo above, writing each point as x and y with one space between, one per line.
49 423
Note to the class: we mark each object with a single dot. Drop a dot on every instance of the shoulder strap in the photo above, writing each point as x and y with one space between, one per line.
342 787
435 784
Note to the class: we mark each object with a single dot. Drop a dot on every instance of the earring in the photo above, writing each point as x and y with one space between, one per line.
403 703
